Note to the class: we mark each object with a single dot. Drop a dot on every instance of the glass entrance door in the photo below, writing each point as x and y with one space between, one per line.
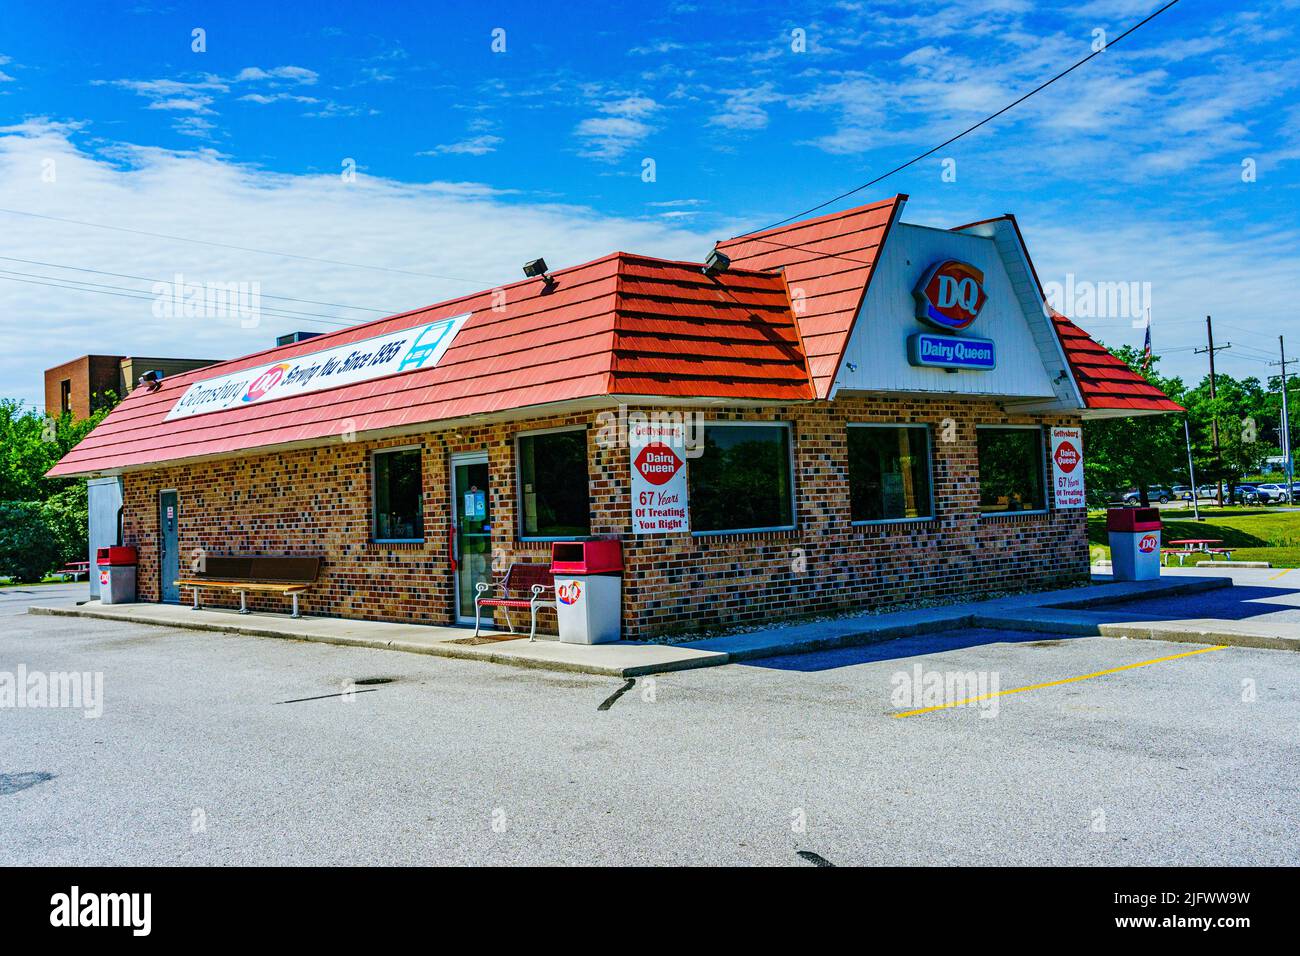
471 511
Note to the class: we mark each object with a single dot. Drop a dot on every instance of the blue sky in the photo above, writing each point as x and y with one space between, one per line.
470 161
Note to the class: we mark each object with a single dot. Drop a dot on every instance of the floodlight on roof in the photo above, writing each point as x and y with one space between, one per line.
715 262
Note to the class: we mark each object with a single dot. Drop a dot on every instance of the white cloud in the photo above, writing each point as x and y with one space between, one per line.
445 230
473 146
611 136
296 74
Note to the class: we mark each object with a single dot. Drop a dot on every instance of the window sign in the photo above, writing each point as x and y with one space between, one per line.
659 491
1067 467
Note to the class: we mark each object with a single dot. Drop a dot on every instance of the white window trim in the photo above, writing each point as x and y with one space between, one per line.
374 490
519 483
794 491
929 462
1042 471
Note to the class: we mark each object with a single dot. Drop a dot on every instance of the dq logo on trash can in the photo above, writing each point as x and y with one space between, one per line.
103 578
569 592
1148 543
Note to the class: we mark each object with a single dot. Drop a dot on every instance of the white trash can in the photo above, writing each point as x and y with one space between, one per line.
1134 535
116 575
588 590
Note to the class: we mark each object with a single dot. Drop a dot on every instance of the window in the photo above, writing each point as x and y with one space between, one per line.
889 472
742 481
554 499
1011 470
399 496
65 395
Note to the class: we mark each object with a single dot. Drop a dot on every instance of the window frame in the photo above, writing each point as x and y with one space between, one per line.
519 482
1042 471
374 497
794 493
929 461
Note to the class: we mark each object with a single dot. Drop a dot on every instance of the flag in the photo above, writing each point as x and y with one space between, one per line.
1146 347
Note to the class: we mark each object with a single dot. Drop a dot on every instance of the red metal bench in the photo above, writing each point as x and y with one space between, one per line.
530 586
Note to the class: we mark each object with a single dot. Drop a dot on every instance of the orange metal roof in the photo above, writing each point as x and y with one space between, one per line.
827 264
1104 381
771 328
621 325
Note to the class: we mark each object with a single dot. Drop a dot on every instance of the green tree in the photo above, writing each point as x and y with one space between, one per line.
43 520
1124 453
28 546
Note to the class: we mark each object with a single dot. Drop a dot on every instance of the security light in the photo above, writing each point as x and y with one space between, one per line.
715 262
536 267
151 380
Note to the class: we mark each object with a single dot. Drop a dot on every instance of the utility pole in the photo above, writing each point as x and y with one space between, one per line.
1214 419
1288 457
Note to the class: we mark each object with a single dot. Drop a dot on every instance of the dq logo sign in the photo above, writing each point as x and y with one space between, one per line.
265 382
950 295
657 463
1067 457
1148 543
569 592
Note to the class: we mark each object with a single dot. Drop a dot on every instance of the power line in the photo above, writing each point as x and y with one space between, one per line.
264 252
132 294
121 275
970 129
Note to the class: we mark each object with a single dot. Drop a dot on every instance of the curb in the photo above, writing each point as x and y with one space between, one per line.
459 652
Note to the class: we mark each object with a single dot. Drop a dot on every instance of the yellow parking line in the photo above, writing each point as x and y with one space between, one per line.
1280 573
1057 683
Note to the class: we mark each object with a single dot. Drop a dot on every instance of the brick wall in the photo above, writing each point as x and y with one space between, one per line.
90 376
317 501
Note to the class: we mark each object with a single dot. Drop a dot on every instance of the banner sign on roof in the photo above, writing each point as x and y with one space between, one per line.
421 347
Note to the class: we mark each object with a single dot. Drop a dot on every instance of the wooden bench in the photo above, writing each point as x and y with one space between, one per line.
267 574
530 586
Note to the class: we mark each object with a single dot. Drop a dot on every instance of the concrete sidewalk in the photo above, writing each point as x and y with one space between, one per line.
1106 608
1033 612
623 659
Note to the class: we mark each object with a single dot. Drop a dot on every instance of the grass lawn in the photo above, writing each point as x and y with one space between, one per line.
6 583
1252 534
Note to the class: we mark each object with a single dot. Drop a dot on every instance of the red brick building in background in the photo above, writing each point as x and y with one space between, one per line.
87 384
847 453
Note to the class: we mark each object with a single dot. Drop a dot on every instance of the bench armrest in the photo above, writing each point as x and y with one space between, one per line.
540 589
484 586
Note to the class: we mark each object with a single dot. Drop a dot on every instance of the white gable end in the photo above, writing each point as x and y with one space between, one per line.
1028 366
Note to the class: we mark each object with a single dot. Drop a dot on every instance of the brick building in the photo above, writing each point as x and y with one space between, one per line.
853 410
85 385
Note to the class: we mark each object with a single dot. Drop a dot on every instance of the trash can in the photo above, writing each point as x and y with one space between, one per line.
1134 543
588 590
116 575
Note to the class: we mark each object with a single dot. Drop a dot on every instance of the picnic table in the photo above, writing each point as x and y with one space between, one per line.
1193 546
1197 544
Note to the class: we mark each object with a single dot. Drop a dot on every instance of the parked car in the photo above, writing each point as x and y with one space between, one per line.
1246 495
1207 491
1182 491
1273 493
1162 495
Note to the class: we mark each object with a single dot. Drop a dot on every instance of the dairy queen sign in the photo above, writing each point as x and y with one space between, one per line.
1067 467
658 477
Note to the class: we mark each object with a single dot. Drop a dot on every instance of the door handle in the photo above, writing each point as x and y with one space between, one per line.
451 547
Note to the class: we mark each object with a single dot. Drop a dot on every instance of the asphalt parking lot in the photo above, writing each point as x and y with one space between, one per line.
220 749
